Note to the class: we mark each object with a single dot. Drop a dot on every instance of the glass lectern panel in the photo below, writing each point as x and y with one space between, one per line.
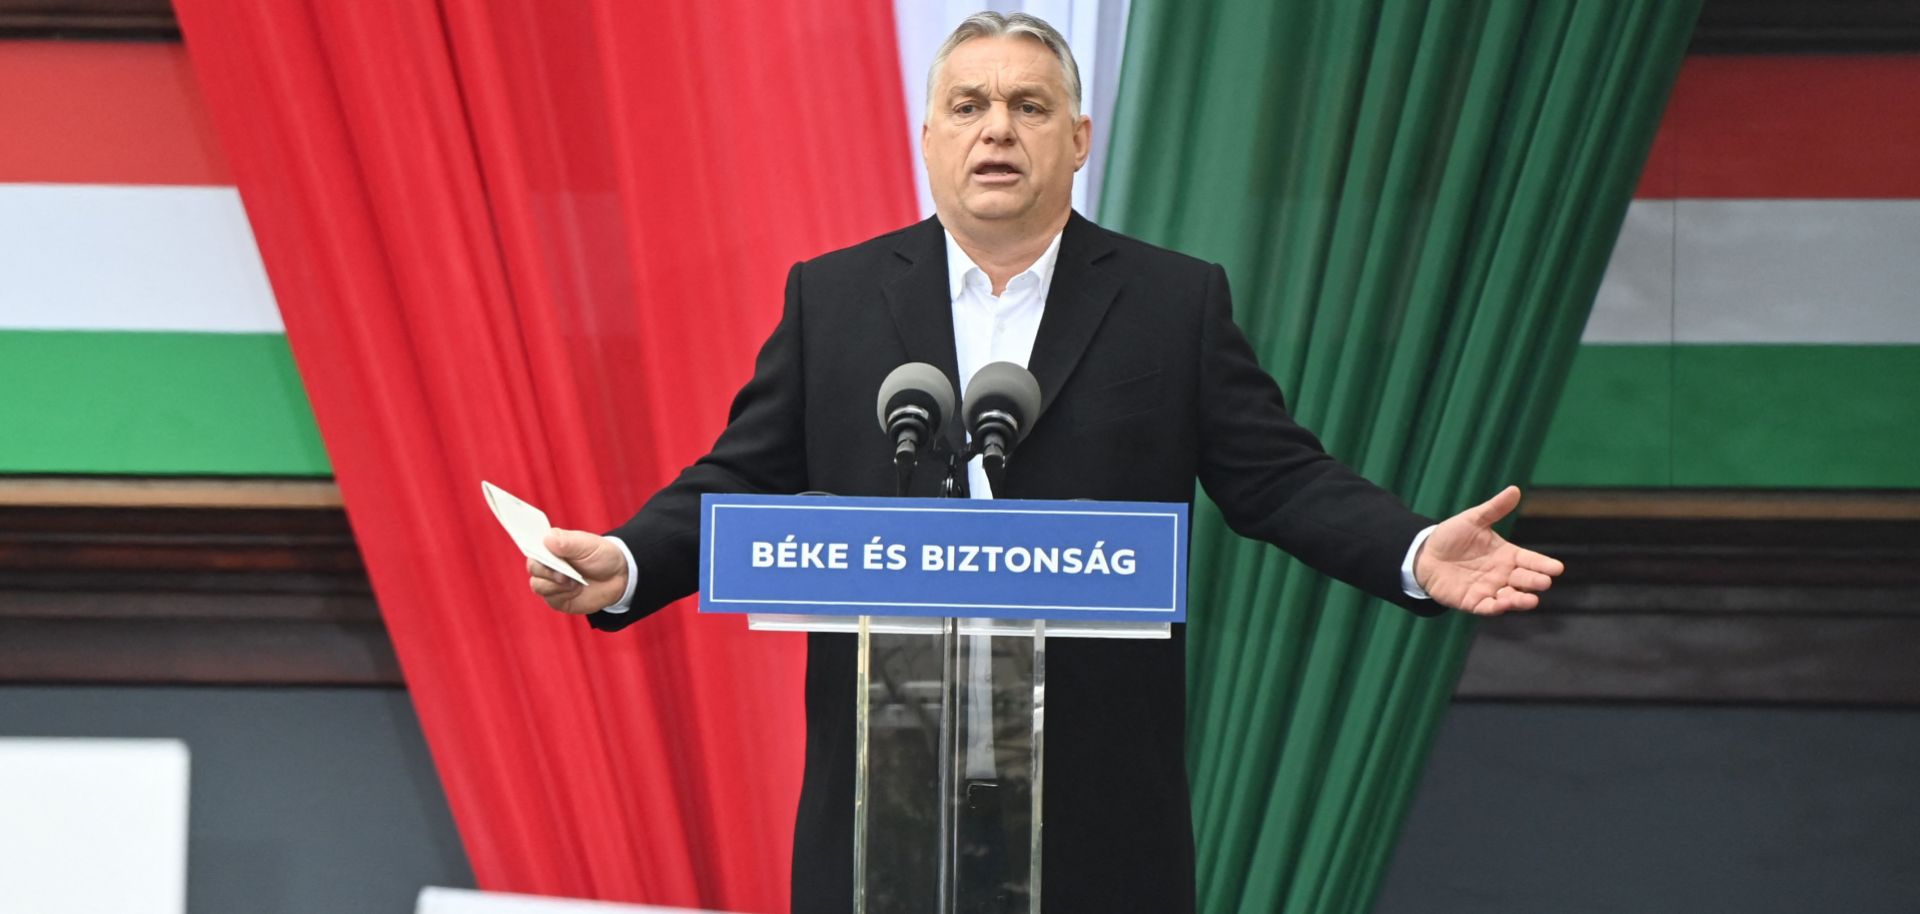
949 779
950 739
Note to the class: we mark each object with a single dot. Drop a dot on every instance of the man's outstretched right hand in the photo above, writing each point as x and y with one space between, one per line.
595 557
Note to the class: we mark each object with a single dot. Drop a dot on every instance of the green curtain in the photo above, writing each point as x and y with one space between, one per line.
1415 202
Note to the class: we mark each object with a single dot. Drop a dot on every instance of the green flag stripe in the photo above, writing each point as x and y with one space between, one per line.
114 402
1780 416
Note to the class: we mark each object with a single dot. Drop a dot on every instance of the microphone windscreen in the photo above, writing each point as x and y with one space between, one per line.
918 384
1003 386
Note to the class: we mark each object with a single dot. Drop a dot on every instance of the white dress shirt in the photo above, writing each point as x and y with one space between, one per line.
994 328
990 328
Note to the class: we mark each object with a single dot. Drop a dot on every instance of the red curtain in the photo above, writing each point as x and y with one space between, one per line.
538 242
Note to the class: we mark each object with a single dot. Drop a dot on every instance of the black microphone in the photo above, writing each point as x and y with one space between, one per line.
1002 401
915 402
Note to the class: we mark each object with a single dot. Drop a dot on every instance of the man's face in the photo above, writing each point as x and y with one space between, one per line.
1000 142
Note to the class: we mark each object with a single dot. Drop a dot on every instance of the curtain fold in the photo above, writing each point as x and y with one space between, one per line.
539 243
1415 202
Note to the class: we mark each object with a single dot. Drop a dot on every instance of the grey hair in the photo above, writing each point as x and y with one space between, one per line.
994 25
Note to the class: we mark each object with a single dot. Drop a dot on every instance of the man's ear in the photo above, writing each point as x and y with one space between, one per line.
1082 142
924 130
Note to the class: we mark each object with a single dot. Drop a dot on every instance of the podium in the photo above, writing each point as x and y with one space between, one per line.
953 603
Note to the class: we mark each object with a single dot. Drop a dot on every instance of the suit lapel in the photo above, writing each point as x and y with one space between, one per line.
922 307
1077 302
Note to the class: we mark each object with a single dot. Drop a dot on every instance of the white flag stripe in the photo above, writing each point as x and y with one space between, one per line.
1763 272
1635 304
115 257
1797 271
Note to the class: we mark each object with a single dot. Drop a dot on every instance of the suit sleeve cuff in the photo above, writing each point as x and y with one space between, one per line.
1407 581
633 575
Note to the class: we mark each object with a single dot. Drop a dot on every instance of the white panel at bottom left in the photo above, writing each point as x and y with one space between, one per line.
89 826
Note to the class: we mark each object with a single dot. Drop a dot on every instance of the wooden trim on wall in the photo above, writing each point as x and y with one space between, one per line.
1759 597
166 492
1670 596
1722 504
1807 27
103 20
141 588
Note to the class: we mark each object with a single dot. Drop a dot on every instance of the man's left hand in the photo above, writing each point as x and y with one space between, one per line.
1467 566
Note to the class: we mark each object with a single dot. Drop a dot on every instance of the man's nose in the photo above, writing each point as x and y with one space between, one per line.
998 126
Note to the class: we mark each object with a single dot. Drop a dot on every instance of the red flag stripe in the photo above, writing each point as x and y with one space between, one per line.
104 113
1779 127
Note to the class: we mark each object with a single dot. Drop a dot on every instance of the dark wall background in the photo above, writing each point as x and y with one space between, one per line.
303 800
324 800
1572 809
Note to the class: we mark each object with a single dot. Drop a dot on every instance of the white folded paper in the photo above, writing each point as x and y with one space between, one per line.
528 526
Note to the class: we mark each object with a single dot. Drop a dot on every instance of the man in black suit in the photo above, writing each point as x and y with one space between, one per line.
1147 386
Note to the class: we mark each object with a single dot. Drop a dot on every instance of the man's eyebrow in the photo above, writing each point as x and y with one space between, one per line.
1029 90
1017 90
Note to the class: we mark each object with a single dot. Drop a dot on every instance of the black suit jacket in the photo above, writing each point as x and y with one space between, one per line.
1147 386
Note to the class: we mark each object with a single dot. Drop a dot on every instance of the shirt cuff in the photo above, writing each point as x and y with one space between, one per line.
1407 582
626 599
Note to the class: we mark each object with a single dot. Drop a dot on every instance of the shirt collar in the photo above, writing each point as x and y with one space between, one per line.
959 265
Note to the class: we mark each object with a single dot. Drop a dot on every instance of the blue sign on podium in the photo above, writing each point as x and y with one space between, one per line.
832 555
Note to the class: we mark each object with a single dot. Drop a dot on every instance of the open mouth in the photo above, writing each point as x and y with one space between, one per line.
996 172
